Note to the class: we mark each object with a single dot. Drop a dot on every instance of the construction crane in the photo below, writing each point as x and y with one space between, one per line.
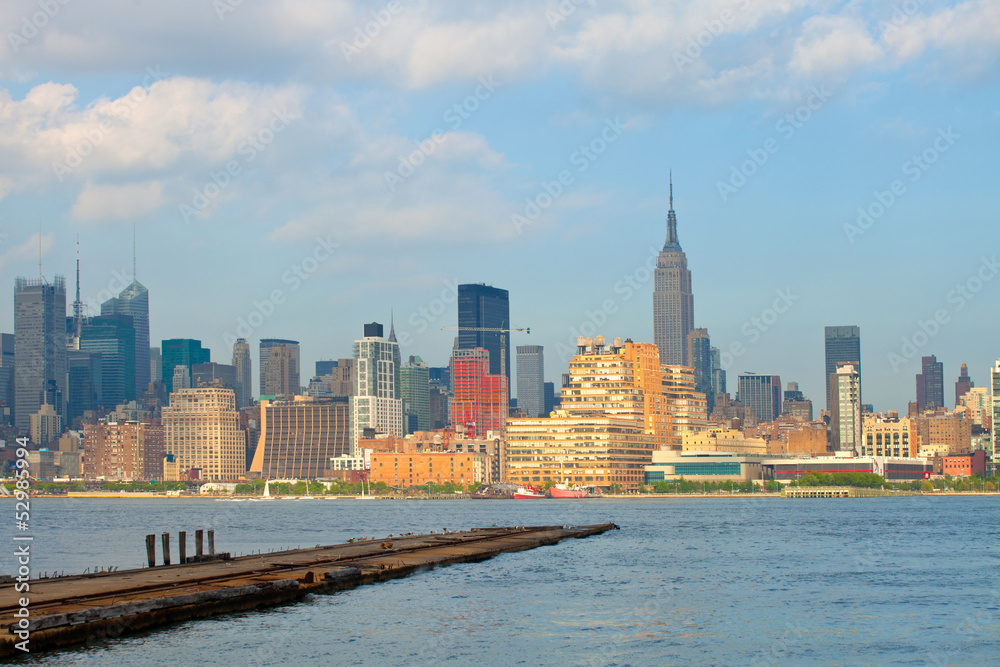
503 331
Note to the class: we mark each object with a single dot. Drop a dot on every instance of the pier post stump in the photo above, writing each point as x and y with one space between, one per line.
199 541
211 541
165 540
151 550
182 547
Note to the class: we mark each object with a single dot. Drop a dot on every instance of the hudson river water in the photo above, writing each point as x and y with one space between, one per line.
696 581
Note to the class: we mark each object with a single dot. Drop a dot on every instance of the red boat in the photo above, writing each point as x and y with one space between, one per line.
528 493
563 491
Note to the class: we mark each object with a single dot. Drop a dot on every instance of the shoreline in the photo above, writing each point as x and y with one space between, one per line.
645 496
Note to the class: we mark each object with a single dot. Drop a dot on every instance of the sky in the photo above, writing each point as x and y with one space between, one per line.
295 168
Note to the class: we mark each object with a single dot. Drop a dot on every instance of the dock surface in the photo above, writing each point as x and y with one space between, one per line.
95 607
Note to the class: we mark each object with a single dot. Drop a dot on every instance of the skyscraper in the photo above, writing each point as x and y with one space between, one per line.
280 380
479 307
995 398
7 378
718 373
415 384
963 384
202 430
377 402
761 394
479 398
845 417
842 344
155 365
930 384
531 380
39 344
673 301
113 336
181 352
244 383
134 301
700 359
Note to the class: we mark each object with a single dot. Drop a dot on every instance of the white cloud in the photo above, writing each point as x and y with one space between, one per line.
833 45
118 202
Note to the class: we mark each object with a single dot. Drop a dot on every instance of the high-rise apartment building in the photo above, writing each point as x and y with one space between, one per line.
845 417
995 396
181 352
279 367
963 384
673 301
531 380
761 395
479 398
687 408
930 384
377 402
244 379
843 343
202 430
113 337
39 345
124 451
699 348
299 437
133 301
481 306
415 386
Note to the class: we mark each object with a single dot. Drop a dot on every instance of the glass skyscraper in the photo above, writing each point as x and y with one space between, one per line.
930 384
134 302
181 352
415 381
113 336
39 345
761 394
484 307
842 344
531 380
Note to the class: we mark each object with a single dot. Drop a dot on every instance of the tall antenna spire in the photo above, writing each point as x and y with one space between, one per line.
672 242
40 279
78 305
135 277
392 327
671 189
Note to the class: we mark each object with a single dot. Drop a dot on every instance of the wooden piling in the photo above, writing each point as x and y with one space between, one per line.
165 540
199 541
182 547
151 550
211 541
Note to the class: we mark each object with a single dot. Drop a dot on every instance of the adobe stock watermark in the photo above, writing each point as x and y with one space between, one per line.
294 277
626 287
581 158
454 116
902 12
248 150
94 137
363 35
915 168
754 327
422 318
786 127
714 29
31 25
957 298
563 10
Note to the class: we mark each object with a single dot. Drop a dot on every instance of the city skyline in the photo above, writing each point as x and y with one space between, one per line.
817 151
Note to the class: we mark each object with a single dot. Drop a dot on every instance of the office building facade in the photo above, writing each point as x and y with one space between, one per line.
39 345
244 377
202 430
482 306
531 380
133 302
930 384
415 386
843 344
298 438
761 395
113 337
181 352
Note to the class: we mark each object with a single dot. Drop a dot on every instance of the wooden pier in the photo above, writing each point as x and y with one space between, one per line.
85 608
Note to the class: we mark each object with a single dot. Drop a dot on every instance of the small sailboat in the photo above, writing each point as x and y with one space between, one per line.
267 491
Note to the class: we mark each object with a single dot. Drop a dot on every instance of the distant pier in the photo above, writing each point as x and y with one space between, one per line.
94 607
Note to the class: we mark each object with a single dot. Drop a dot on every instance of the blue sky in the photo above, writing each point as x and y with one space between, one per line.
251 150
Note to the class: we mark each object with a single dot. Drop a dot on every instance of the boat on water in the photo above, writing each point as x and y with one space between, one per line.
267 491
528 493
566 491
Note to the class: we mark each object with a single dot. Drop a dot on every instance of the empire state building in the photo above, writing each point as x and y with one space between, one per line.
673 302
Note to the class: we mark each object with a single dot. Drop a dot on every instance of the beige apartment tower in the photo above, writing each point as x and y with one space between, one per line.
203 431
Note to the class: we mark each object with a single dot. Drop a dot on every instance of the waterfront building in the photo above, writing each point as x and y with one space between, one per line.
113 337
482 306
702 466
244 378
417 469
203 431
888 435
892 469
930 384
845 417
376 402
181 352
761 395
531 380
123 451
298 437
673 300
39 345
843 344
